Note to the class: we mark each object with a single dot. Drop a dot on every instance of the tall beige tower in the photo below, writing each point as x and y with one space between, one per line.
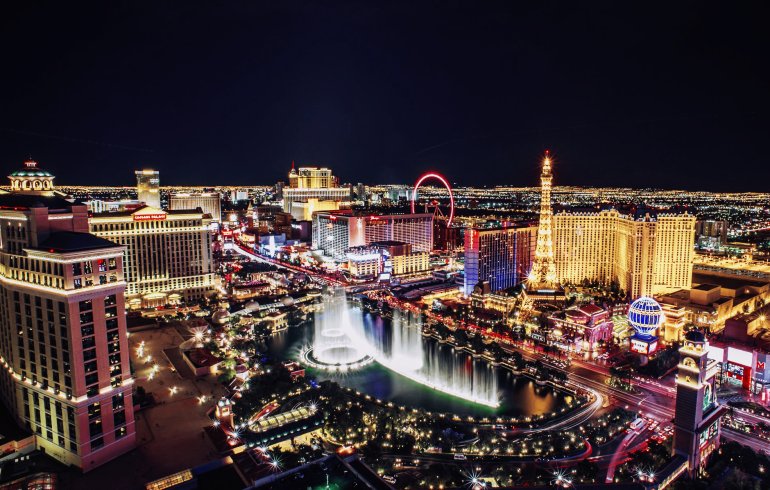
148 187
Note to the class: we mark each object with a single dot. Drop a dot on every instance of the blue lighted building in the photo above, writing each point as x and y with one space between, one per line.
645 315
502 256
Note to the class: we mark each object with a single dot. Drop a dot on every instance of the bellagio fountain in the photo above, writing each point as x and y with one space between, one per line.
342 342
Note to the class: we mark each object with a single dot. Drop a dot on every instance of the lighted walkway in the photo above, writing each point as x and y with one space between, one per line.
274 421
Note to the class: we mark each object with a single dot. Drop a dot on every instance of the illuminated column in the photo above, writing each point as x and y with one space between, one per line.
543 275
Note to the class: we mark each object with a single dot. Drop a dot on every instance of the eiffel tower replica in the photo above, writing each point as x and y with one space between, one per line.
542 285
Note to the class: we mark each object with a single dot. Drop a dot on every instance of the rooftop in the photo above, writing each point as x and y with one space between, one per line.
389 243
72 241
131 212
726 282
705 287
591 309
26 201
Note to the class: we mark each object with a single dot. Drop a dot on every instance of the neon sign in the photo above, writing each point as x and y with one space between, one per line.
149 217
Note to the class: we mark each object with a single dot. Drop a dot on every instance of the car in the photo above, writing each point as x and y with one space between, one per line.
460 457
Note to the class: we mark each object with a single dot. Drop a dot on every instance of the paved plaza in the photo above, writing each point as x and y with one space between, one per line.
170 433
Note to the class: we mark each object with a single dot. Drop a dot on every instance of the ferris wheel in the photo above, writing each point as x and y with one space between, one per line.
433 204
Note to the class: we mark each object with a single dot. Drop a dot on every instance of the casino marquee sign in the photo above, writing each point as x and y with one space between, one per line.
155 216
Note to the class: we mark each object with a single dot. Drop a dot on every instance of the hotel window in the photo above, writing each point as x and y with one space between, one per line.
121 432
86 317
118 401
113 347
97 443
89 354
90 366
119 418
77 269
94 410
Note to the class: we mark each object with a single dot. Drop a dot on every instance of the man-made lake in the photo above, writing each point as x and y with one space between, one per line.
417 372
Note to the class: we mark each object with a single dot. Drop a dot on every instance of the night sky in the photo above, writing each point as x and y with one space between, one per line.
675 95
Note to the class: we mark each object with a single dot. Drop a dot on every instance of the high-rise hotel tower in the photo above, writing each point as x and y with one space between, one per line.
646 253
502 256
336 231
148 187
168 253
64 366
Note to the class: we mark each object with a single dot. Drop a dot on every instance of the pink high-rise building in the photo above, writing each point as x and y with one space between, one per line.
63 341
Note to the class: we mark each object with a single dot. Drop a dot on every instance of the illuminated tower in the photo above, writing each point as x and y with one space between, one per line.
698 413
148 187
543 275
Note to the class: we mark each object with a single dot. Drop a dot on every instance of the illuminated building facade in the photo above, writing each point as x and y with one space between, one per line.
501 256
646 254
502 302
697 416
408 264
743 365
364 262
311 178
303 210
312 189
267 220
385 259
335 232
168 253
704 306
148 187
63 341
711 234
101 206
209 202
581 329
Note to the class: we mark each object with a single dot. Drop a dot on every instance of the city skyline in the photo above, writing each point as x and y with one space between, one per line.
391 245
531 187
256 87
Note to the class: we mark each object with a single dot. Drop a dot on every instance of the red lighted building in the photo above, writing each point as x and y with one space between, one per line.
63 345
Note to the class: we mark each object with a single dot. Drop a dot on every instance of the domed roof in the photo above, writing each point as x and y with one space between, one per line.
30 173
30 170
695 336
645 315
